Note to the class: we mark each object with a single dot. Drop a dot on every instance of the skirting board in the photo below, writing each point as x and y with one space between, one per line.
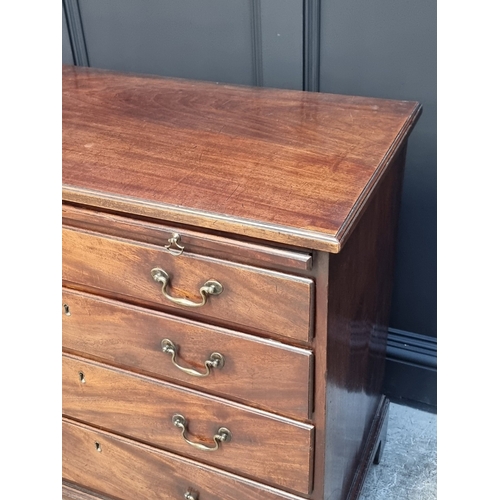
411 369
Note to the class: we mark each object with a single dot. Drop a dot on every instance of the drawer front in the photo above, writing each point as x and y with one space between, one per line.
127 470
267 373
262 300
144 408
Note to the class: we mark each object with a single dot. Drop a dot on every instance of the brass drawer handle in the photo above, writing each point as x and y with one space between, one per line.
211 287
173 246
215 360
223 435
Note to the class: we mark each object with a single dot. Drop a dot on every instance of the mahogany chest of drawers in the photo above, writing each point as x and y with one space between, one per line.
227 267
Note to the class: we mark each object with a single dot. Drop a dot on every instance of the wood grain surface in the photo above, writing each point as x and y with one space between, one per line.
359 299
128 470
287 166
270 302
142 408
265 373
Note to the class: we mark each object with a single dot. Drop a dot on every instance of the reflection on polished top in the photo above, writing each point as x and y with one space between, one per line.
285 166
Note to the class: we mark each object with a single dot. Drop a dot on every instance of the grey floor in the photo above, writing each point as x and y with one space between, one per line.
408 469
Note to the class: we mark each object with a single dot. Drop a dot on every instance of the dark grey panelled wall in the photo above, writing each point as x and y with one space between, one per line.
67 54
378 48
252 42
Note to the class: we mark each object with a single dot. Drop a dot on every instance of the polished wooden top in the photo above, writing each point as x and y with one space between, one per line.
285 166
